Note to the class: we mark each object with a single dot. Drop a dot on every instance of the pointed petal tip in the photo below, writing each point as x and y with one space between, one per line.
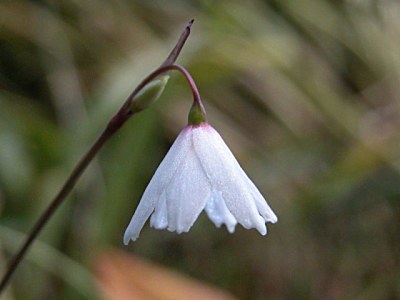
157 226
272 219
126 240
218 212
231 229
262 229
129 236
269 217
182 229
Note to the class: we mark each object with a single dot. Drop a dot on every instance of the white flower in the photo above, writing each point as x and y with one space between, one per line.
200 172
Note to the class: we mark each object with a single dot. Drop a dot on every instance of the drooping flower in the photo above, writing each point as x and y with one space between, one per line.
200 173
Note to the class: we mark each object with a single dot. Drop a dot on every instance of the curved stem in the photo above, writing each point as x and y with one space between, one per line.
193 86
114 125
162 70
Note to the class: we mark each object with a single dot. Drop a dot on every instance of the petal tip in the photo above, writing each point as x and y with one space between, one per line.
231 228
126 240
262 228
129 236
272 219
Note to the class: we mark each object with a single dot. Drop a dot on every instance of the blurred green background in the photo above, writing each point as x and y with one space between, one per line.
305 93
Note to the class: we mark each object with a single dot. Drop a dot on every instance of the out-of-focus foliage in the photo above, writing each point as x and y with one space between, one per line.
306 94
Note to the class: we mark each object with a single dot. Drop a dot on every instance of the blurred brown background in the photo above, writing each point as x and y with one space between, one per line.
306 94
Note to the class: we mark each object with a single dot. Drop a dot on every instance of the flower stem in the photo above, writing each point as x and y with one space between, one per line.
197 102
179 45
61 196
195 91
197 114
176 67
113 126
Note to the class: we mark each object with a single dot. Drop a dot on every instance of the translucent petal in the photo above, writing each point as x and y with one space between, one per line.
159 219
162 176
218 212
187 194
226 176
263 208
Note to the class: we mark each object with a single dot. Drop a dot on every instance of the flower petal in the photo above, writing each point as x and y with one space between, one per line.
226 176
153 192
159 219
187 194
218 212
263 208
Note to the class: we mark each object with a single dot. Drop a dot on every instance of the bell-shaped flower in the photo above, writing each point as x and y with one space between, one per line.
200 173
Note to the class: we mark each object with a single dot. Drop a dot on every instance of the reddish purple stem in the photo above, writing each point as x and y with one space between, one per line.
114 124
